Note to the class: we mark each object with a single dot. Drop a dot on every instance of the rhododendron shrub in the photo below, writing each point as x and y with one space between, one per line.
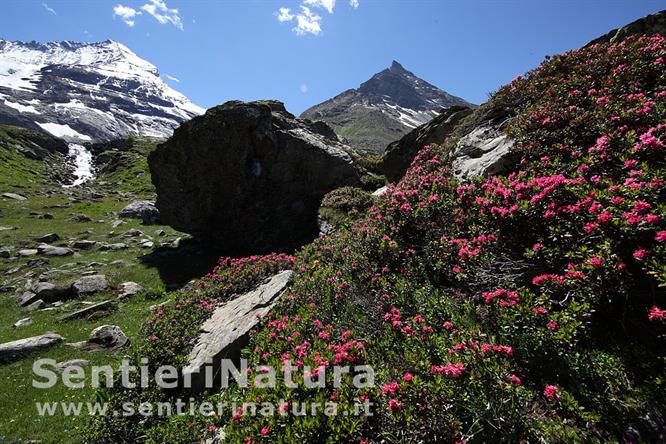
523 307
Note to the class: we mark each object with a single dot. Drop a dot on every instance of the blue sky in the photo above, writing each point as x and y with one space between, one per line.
305 51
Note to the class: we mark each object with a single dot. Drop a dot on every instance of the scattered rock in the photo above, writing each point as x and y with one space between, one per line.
160 233
90 285
117 223
48 292
129 289
52 237
104 338
27 252
81 218
133 233
271 171
113 247
23 322
5 253
45 216
62 366
119 262
142 209
8 228
27 298
11 351
37 305
147 244
14 196
83 244
104 306
50 250
34 263
226 332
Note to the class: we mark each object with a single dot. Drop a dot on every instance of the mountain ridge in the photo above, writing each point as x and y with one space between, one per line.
87 91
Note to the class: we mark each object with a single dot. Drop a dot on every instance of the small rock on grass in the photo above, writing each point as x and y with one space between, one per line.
129 289
22 322
90 284
14 196
11 351
103 338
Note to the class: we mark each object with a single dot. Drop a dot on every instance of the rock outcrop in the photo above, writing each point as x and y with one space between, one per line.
226 332
249 176
399 154
648 25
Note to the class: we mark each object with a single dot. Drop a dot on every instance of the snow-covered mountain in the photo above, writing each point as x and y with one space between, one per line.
87 91
383 109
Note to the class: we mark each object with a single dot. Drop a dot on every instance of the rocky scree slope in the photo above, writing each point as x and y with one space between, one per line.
87 91
249 176
386 107
478 329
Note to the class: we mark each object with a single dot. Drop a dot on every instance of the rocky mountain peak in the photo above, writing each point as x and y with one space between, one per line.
384 108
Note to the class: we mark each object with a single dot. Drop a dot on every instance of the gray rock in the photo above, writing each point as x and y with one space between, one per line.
113 247
147 244
8 228
90 285
13 196
11 351
129 289
104 306
160 233
83 244
117 223
36 305
271 171
62 366
133 233
27 298
45 216
5 253
400 154
22 322
226 332
50 250
27 252
484 151
103 338
380 191
52 237
142 209
48 292
80 218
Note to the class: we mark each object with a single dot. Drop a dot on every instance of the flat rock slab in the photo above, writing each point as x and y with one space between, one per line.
50 250
103 338
101 306
22 322
14 196
11 351
227 330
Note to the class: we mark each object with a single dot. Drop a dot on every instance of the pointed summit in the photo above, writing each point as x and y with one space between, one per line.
397 68
383 109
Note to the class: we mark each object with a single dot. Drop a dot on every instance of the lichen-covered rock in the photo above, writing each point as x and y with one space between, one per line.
248 175
90 284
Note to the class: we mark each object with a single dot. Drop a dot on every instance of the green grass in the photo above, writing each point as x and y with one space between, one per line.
29 178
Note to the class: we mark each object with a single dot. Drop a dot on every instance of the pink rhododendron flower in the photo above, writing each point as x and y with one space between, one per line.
550 392
660 237
656 313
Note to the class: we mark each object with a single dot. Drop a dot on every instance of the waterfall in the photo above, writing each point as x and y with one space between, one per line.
81 157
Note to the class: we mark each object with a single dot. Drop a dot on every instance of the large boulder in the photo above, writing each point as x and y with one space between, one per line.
399 154
226 332
90 284
103 338
249 176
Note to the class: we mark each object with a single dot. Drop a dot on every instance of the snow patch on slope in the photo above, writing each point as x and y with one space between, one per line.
63 131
